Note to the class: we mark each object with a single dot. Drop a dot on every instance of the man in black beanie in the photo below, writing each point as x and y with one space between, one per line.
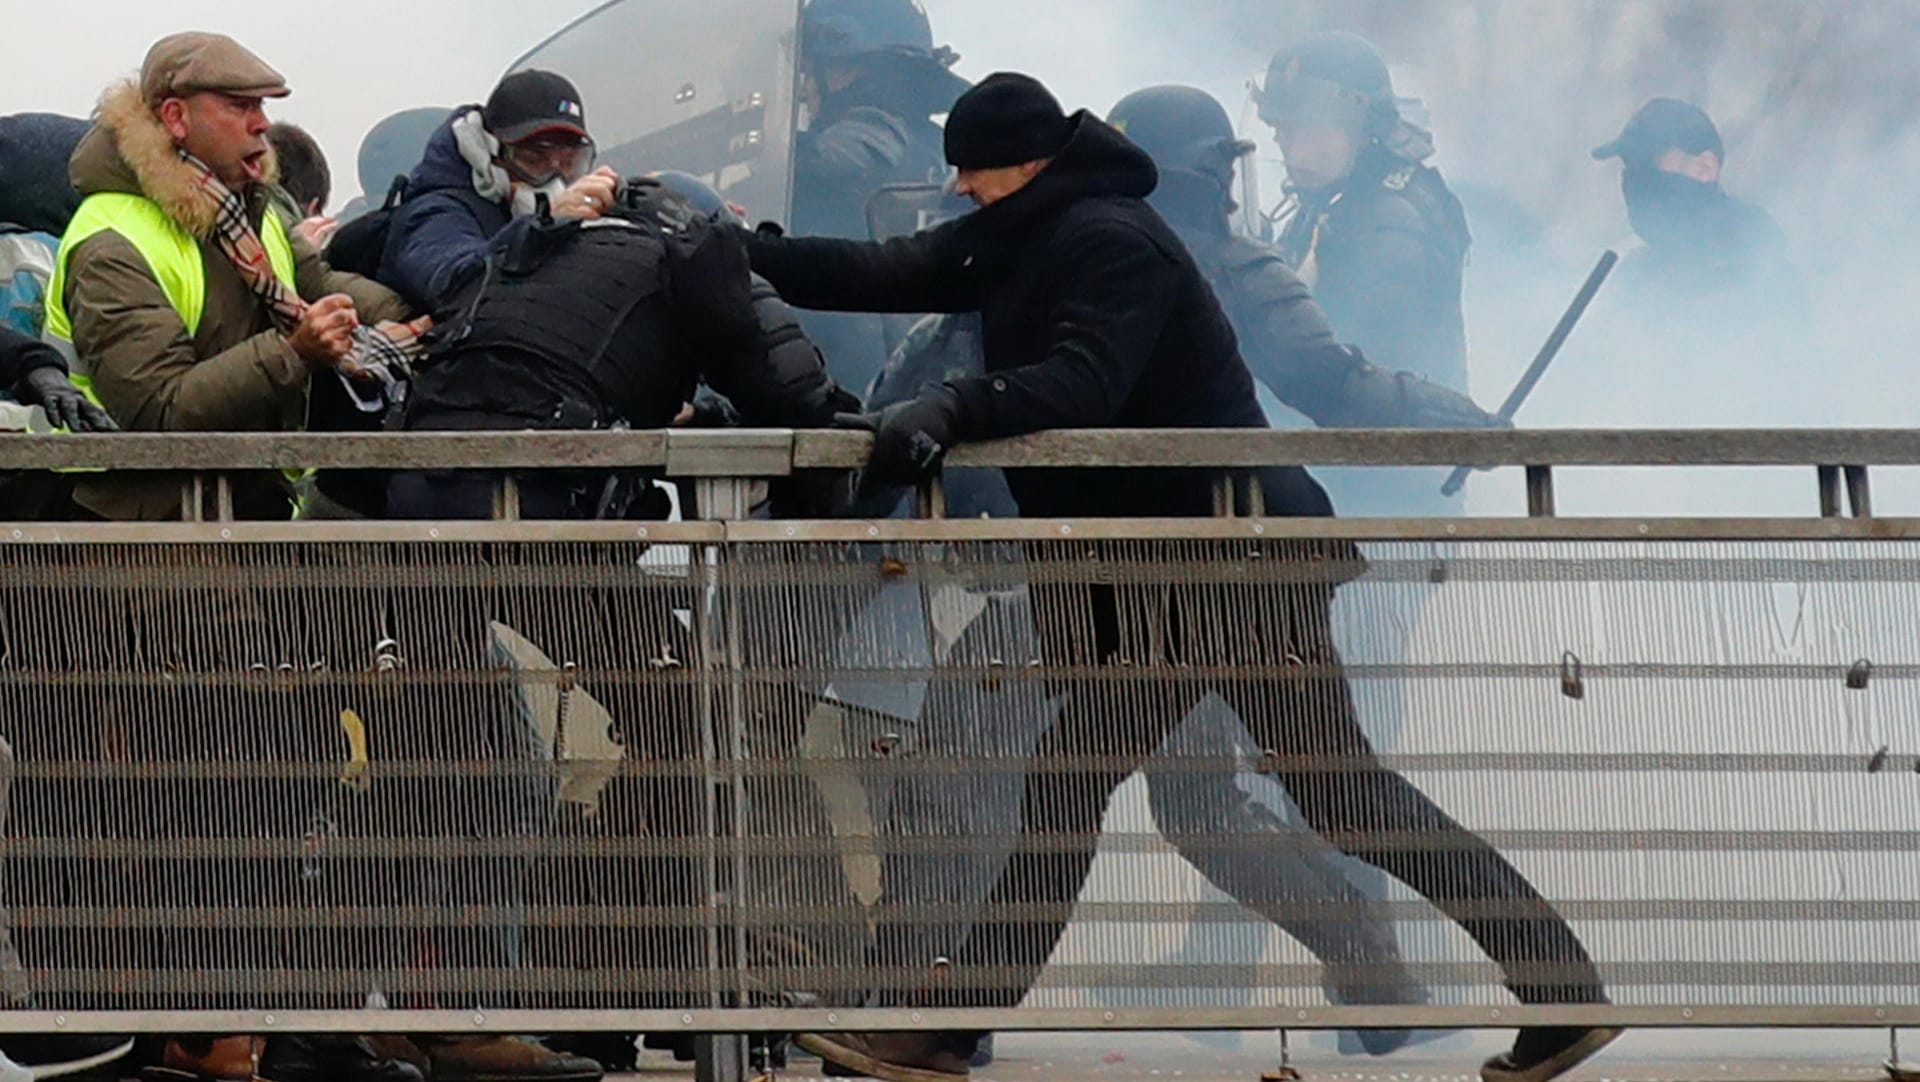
1093 315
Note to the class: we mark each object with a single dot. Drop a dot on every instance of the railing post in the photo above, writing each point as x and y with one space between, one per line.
1829 491
720 1057
1859 492
506 498
723 1057
930 498
192 492
724 499
1540 503
222 498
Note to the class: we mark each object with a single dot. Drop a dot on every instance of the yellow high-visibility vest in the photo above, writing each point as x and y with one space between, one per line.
171 253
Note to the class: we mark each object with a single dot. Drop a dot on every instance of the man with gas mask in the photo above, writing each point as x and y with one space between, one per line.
1700 242
873 81
1372 230
484 167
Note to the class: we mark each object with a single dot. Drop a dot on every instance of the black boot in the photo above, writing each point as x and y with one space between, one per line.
1545 1052
329 1059
54 1056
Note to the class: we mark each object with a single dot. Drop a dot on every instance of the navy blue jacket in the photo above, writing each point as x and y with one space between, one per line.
441 232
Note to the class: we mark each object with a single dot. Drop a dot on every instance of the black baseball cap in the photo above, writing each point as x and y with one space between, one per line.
529 103
1661 125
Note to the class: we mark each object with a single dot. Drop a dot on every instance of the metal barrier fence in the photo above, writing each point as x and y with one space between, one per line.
756 776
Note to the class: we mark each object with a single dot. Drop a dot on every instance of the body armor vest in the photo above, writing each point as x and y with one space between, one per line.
569 327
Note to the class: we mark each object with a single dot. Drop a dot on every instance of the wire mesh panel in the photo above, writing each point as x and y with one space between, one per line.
1260 775
1091 775
322 775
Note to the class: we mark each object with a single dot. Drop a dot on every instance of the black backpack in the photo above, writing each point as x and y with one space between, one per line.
358 246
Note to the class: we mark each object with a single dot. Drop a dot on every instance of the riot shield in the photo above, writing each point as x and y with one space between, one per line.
901 210
707 89
1255 218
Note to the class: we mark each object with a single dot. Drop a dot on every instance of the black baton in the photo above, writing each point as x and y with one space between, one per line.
1544 358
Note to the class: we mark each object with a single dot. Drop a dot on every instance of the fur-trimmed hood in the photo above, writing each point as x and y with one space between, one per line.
128 150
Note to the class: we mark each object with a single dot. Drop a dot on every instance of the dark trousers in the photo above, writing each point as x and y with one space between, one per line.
1236 622
467 495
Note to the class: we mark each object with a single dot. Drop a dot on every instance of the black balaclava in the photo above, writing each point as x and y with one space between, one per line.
1669 208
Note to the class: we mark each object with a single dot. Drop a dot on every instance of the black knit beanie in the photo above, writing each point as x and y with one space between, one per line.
1008 119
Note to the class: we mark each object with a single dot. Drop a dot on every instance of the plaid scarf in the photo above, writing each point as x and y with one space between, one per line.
380 356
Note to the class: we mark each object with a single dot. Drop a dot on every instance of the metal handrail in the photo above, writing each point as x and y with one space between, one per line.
751 452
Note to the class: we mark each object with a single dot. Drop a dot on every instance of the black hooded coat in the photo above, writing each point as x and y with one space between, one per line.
1093 315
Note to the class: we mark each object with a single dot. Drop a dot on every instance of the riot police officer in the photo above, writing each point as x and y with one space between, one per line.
588 325
873 82
1371 228
1285 335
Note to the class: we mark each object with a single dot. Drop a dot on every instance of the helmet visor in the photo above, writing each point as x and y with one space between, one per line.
1308 99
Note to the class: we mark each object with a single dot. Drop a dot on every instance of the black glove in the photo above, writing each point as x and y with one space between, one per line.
66 407
712 411
909 438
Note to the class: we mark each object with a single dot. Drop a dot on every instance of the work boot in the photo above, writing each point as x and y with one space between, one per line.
615 1052
329 1059
205 1059
896 1057
54 1056
1543 1052
505 1059
399 1047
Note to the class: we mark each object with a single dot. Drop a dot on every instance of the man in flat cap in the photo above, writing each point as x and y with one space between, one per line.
190 307
1094 315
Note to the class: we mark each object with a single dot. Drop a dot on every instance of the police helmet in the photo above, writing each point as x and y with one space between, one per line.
1183 130
843 29
1333 76
395 145
698 194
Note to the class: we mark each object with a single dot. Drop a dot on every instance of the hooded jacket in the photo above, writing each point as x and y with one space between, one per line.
235 374
440 233
1092 315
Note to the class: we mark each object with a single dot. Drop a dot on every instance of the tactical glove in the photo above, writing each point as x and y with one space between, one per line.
66 407
909 438
1429 405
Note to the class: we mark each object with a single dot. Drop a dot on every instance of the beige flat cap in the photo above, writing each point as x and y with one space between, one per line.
182 64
